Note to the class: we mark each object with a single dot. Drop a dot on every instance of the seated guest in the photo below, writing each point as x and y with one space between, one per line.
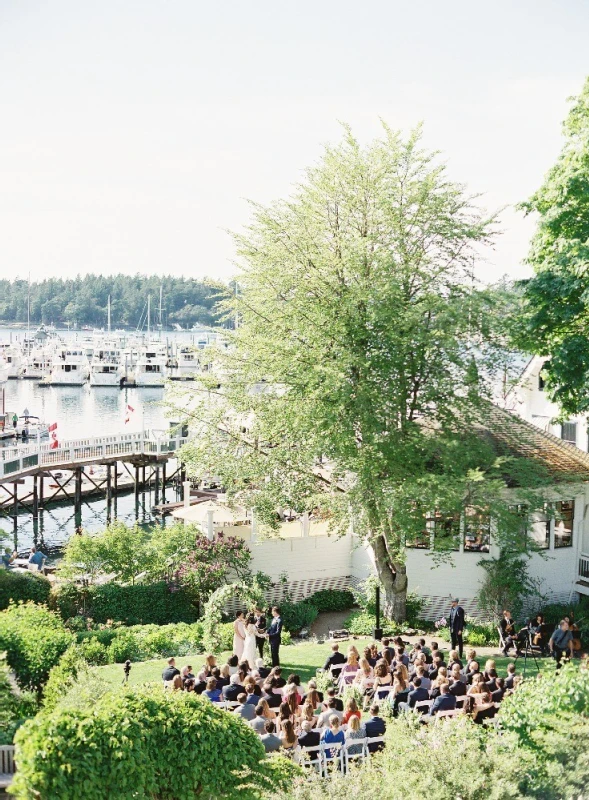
415 651
510 675
186 673
538 632
510 637
326 715
473 669
273 698
424 648
189 684
490 674
382 678
263 671
369 657
441 680
295 680
266 710
336 658
207 668
258 723
417 695
170 671
445 702
456 674
454 658
376 726
434 649
291 697
284 714
332 734
497 695
471 655
400 691
288 739
212 692
426 681
233 664
251 696
244 710
309 737
235 688
478 684
349 669
351 710
401 657
269 739
330 695
387 650
276 673
9 557
308 715
313 696
364 678
435 666
483 709
355 731
221 675
352 649
177 683
457 687
373 654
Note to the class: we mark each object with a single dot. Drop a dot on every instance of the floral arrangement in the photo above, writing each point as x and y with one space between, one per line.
441 623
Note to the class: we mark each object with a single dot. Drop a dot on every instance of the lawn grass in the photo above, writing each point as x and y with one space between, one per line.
304 659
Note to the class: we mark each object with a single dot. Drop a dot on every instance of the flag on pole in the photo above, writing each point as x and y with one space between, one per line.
52 427
54 443
129 410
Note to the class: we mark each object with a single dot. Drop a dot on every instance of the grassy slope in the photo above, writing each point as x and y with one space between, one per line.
304 659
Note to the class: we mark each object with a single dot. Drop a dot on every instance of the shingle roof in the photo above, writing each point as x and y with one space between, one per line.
520 438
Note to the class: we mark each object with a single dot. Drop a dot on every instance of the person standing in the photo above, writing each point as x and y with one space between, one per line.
560 642
238 634
457 626
260 622
274 636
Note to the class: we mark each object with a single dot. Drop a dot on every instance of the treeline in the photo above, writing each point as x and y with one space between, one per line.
83 301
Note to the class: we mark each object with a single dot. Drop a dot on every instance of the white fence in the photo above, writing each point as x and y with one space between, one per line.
15 462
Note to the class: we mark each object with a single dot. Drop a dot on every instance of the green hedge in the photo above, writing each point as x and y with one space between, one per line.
141 642
331 600
14 708
296 616
142 604
144 743
22 586
34 639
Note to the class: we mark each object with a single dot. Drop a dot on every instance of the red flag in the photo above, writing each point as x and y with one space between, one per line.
52 427
54 443
130 410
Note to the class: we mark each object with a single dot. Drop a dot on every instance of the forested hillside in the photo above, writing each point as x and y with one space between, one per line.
83 300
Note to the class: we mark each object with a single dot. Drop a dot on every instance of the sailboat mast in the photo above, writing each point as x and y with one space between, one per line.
148 314
161 296
108 314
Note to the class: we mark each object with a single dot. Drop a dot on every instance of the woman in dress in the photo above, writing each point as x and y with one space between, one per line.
250 650
238 635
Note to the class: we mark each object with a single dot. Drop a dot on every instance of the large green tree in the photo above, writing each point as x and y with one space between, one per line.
364 354
557 297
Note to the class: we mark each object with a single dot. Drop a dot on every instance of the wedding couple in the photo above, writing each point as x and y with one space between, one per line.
250 633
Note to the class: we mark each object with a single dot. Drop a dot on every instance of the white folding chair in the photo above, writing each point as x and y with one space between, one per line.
311 757
423 706
334 757
377 740
446 714
362 755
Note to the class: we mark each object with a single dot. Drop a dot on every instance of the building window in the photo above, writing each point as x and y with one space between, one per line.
477 531
446 531
568 432
563 523
540 528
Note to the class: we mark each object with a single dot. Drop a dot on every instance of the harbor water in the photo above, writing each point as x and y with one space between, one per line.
80 412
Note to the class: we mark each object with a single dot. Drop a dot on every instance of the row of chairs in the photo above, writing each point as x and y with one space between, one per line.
338 755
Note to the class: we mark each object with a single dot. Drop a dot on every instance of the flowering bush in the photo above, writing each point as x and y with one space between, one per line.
441 623
209 562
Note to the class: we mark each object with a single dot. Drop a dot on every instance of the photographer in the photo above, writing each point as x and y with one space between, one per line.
561 641
126 670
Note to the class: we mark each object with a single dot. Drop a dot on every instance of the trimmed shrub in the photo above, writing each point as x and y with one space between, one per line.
63 676
144 743
14 709
141 604
94 652
331 600
22 586
144 641
34 639
362 623
296 616
123 647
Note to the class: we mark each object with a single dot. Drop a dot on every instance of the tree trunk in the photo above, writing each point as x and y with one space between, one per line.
393 577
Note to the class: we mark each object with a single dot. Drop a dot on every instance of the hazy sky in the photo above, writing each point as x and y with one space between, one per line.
132 130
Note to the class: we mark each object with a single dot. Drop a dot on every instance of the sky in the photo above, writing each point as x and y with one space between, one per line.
132 132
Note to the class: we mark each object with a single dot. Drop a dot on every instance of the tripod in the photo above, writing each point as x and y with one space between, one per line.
528 651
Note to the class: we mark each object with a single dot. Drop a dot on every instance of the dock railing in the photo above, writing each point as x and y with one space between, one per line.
20 461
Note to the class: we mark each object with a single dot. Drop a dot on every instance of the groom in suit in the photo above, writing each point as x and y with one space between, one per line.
457 626
260 623
274 634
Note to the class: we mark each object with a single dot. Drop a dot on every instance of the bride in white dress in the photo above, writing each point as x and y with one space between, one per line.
250 651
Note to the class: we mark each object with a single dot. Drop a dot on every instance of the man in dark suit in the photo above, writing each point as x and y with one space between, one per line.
457 688
309 737
456 626
417 695
260 623
274 636
375 727
170 671
444 702
335 658
510 637
234 689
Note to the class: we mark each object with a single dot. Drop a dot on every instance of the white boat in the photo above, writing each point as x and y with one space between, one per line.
150 368
30 427
36 365
69 368
106 368
13 355
187 363
4 372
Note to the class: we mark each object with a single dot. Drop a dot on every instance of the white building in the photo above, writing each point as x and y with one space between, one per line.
314 560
